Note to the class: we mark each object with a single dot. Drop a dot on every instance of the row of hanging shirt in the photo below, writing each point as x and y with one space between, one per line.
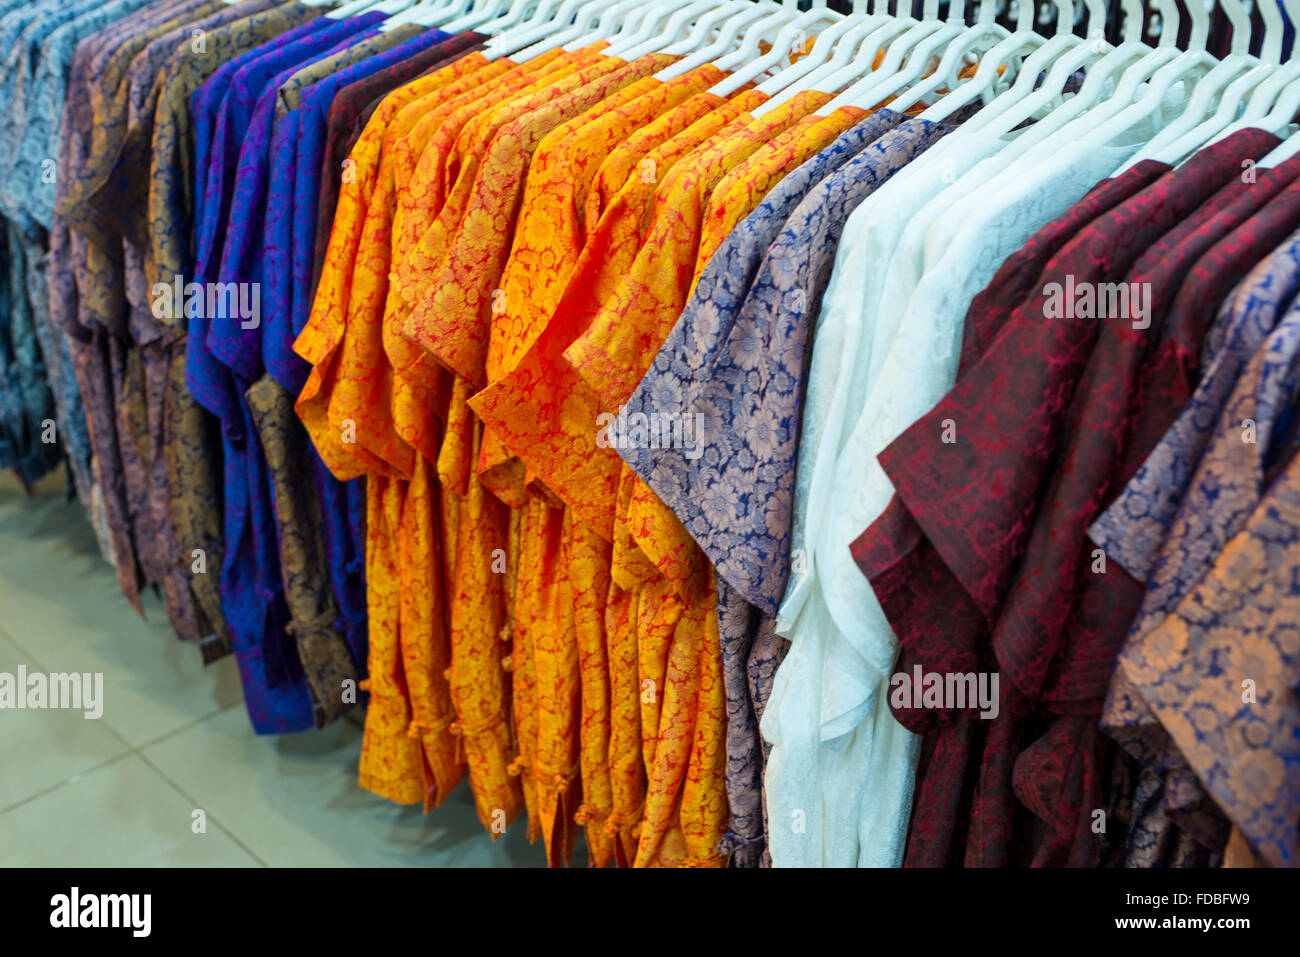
838 786
827 715
901 177
887 345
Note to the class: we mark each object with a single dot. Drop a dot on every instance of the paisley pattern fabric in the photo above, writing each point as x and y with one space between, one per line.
1016 276
342 504
1133 529
669 763
368 44
234 88
627 757
834 744
38 65
85 354
732 291
459 300
326 662
171 201
222 109
741 189
1160 384
740 313
115 294
548 236
26 402
650 290
288 238
658 536
219 111
391 760
451 161
554 765
661 791
100 304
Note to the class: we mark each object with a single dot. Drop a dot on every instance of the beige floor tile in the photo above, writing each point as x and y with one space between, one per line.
61 603
294 800
79 797
40 749
123 814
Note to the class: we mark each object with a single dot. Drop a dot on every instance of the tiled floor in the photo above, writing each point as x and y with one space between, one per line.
174 739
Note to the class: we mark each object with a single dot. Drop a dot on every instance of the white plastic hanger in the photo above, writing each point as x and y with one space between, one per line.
1241 74
517 14
388 7
1292 8
1261 107
614 30
819 55
519 9
729 18
843 66
1230 107
1279 119
479 17
612 25
1184 68
1262 99
863 93
1291 146
951 37
1102 95
987 77
426 13
769 19
986 31
1284 152
656 32
550 17
992 71
602 15
1270 47
352 9
793 33
904 60
751 42
1083 54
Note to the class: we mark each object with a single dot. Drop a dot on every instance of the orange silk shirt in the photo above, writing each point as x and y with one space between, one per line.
495 173
681 697
740 191
400 765
545 413
569 677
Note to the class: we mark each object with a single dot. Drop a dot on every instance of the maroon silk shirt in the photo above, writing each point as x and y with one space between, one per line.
953 554
1062 623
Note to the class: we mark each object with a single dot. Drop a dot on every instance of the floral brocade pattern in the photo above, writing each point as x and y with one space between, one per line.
542 409
1225 489
420 473
1239 620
